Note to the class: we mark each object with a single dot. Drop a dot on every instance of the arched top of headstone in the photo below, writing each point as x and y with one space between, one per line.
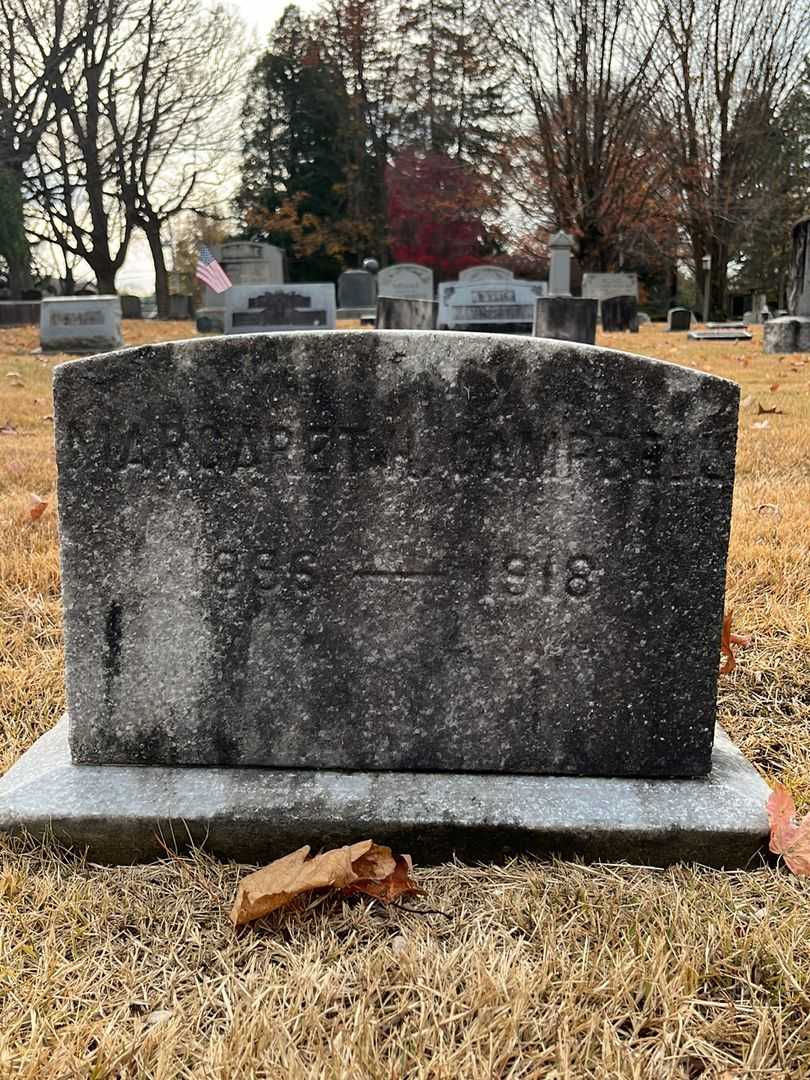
407 280
485 273
393 550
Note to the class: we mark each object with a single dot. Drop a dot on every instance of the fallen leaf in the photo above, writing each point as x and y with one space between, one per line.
774 387
16 382
758 425
278 883
13 375
761 409
769 508
48 417
8 429
789 838
747 402
159 1016
727 639
390 888
37 508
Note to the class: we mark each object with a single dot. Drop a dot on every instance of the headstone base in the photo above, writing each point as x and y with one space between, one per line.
729 334
119 812
356 312
790 334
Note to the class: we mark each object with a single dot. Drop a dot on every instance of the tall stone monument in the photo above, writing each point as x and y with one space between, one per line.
328 585
791 333
559 274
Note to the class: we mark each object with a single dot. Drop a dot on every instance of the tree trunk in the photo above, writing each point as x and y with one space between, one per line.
151 229
13 241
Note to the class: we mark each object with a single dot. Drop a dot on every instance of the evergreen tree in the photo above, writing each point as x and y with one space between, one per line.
294 120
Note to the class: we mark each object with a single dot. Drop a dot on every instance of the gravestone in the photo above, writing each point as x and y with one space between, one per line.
597 286
19 312
498 306
679 319
395 313
791 333
721 333
251 308
620 313
559 274
131 307
415 557
246 262
406 280
357 291
566 318
80 323
180 306
474 274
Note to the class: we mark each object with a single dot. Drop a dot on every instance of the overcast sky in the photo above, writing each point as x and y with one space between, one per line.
261 14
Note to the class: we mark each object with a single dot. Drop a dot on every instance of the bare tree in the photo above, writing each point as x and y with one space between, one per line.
34 47
734 67
583 156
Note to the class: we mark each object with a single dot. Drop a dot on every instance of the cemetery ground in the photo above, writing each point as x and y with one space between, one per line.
533 969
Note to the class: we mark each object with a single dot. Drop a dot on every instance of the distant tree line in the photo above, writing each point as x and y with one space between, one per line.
445 132
413 130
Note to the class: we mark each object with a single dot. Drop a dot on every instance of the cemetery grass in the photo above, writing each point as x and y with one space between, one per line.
534 970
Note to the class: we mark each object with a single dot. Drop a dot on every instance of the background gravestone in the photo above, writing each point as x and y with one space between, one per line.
475 274
566 318
679 319
406 280
396 313
357 289
80 323
393 551
620 313
131 307
599 286
559 272
489 306
253 308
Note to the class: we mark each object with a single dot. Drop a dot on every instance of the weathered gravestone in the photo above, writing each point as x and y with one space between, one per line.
80 323
19 312
566 318
599 286
395 313
246 262
131 306
357 291
498 306
474 274
394 554
407 280
251 308
791 333
180 306
620 313
679 319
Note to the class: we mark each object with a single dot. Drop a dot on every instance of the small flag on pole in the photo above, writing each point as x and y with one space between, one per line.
209 271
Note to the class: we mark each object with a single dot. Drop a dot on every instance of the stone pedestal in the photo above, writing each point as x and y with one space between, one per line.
566 318
788 334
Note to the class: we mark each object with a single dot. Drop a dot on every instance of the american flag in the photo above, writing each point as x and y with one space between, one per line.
209 271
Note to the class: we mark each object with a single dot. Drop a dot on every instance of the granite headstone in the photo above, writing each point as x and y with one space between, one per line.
497 306
131 306
393 551
601 286
566 318
620 313
406 280
396 313
475 274
357 289
679 319
253 308
80 323
246 262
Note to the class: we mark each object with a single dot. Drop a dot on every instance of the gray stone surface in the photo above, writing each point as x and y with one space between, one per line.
566 318
246 262
474 274
799 302
180 306
393 551
719 333
398 314
620 313
559 272
357 289
489 306
131 306
599 286
118 812
253 308
788 334
679 319
80 323
406 280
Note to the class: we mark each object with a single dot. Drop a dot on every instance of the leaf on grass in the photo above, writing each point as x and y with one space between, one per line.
48 417
13 375
727 639
758 425
277 884
747 402
761 410
16 382
390 888
8 429
774 387
37 508
789 838
769 508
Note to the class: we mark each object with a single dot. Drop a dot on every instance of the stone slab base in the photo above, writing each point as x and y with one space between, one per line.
254 815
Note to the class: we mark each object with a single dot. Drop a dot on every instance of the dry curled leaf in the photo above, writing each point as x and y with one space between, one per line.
390 888
8 429
789 838
37 507
727 639
747 402
758 425
281 881
13 375
774 387
761 410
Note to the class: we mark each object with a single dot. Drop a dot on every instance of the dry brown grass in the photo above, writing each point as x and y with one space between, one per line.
538 970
